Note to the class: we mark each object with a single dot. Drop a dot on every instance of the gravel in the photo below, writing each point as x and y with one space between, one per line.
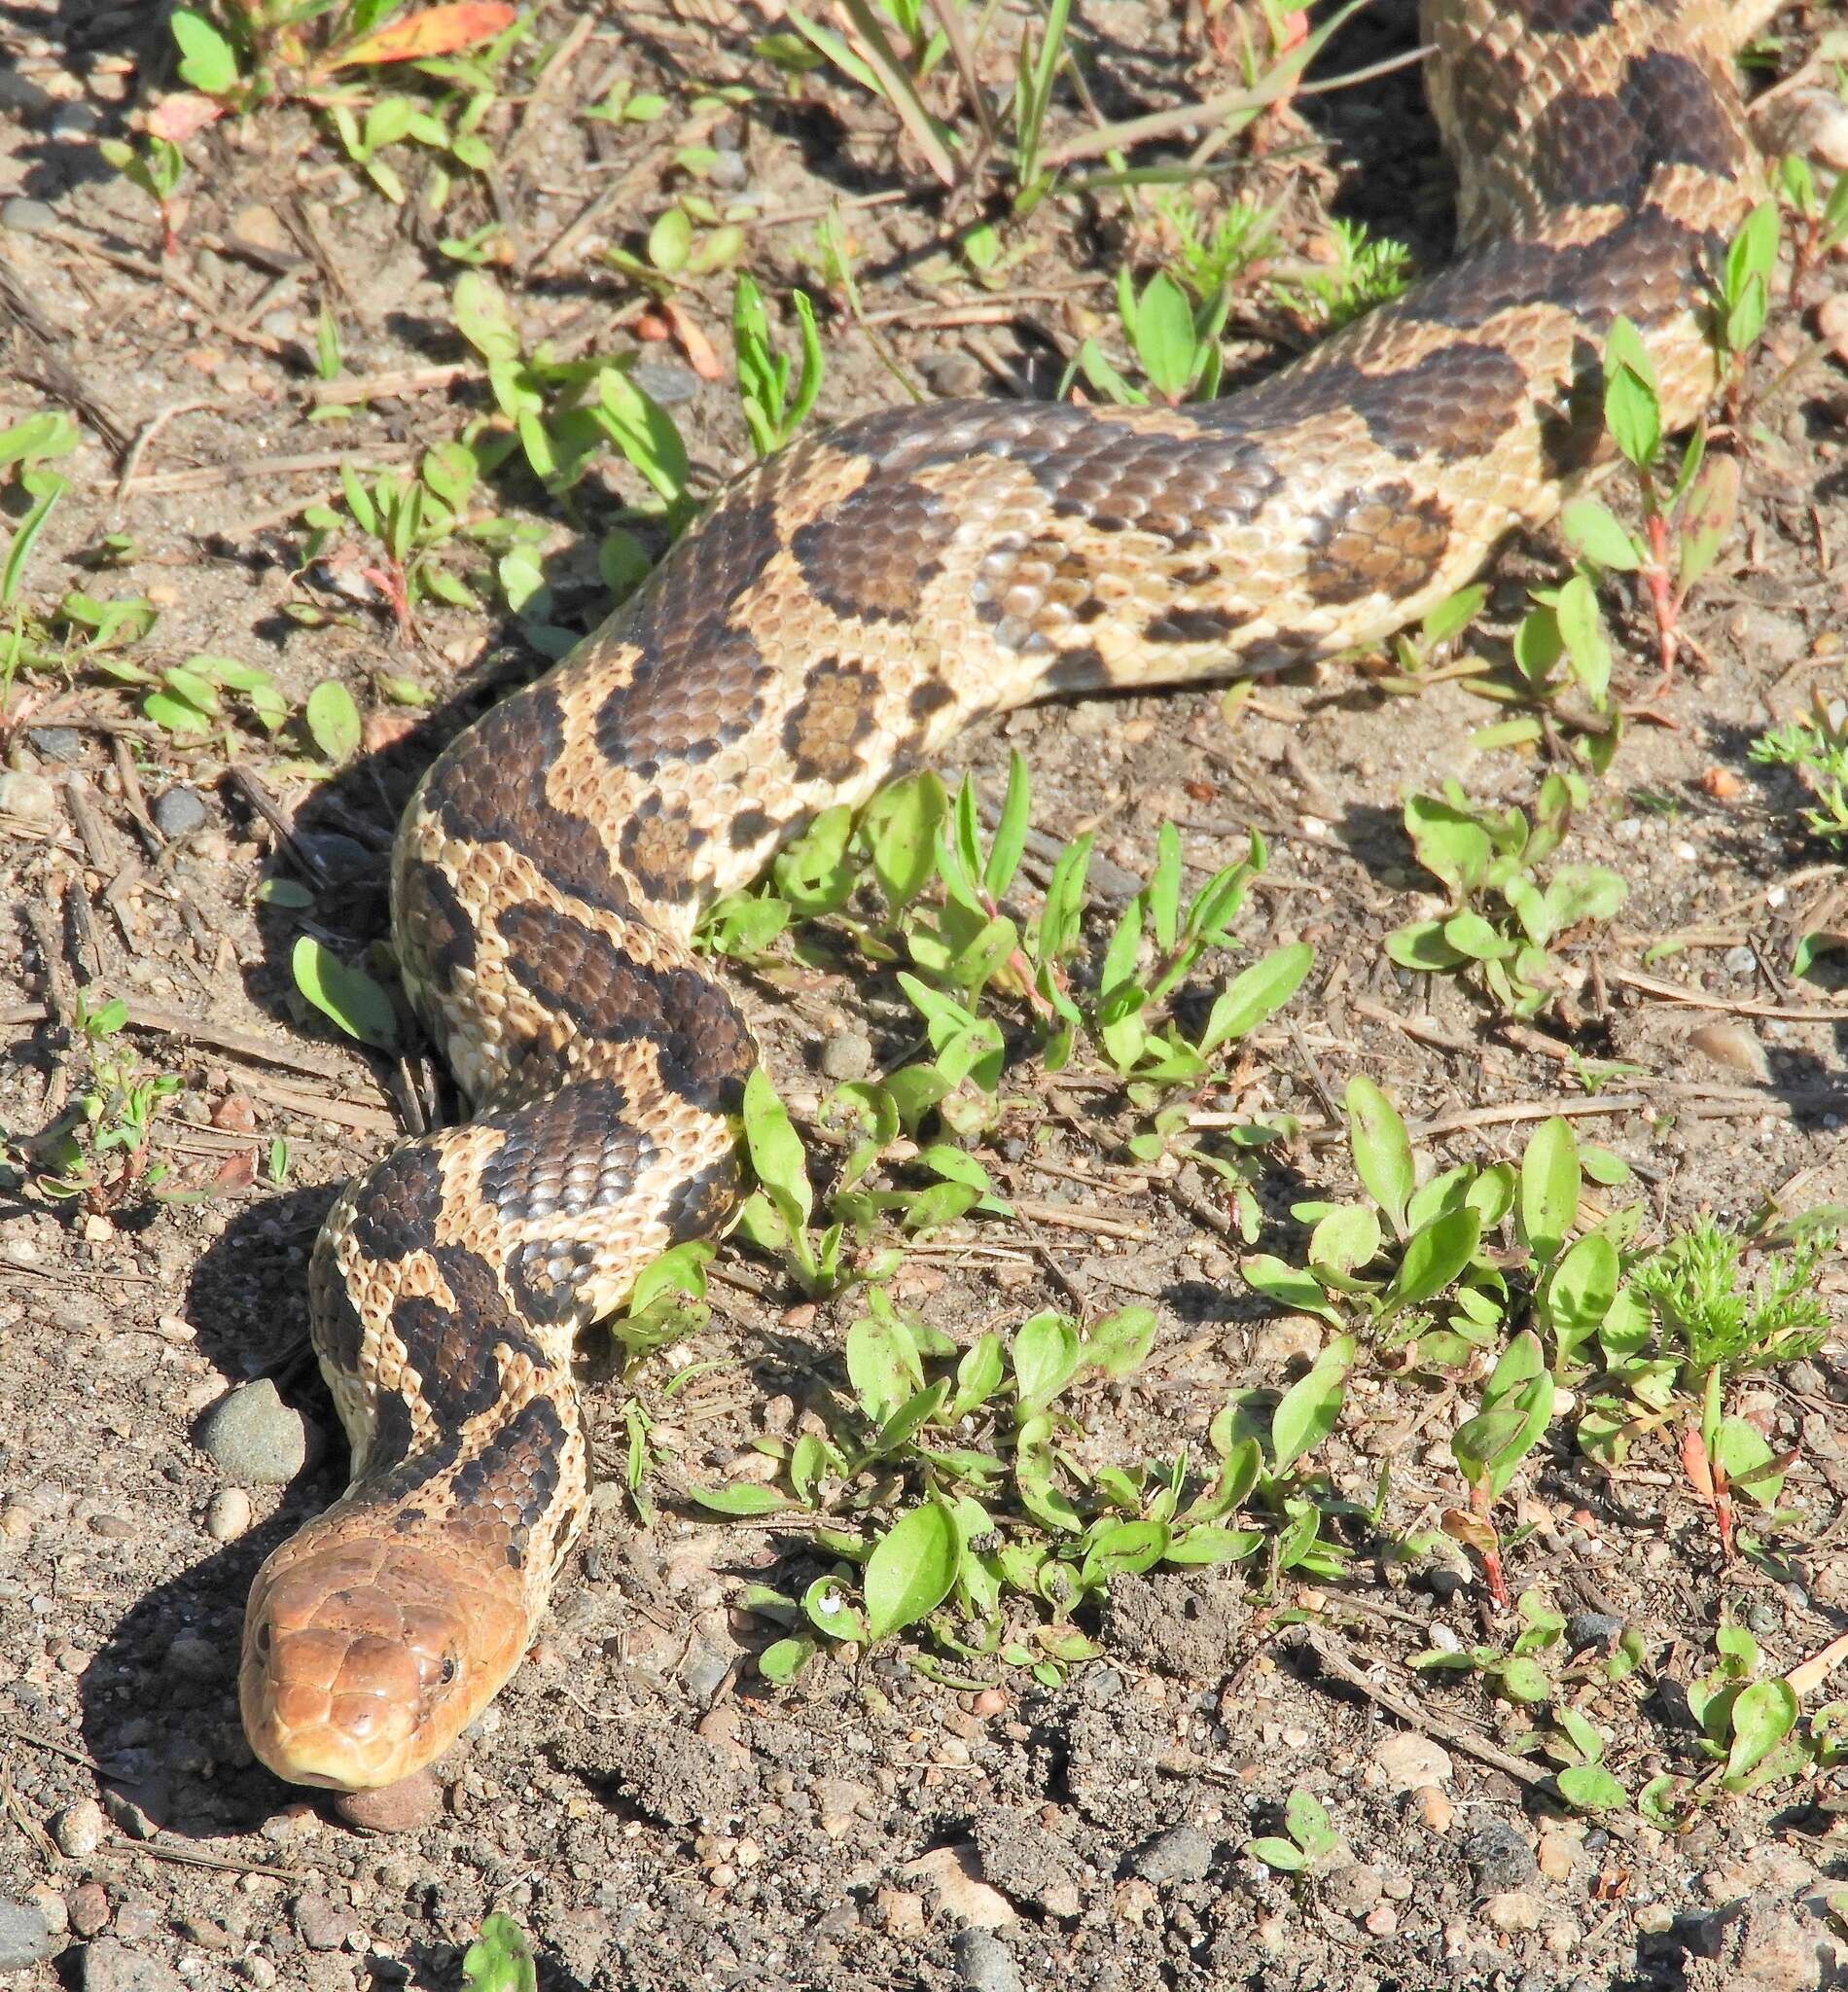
1498 1855
79 1829
846 1055
254 1437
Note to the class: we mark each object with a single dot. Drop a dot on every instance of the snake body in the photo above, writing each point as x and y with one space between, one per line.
842 609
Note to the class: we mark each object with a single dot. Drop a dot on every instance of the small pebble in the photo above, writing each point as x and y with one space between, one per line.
1182 1853
75 121
665 381
24 216
728 171
28 797
179 813
1354 1891
1592 1628
951 375
254 1437
320 1924
227 1514
24 1934
1514 1909
406 1806
1433 1808
1410 1761
1555 1856
1501 1858
193 1659
1764 1617
88 1908
846 1055
57 743
703 1673
1383 1922
77 1830
1654 1918
984 1963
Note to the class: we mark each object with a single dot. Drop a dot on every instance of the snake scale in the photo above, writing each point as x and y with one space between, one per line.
841 609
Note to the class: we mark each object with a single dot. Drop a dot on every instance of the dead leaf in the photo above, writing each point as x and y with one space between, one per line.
693 342
184 115
236 1113
436 31
1809 1674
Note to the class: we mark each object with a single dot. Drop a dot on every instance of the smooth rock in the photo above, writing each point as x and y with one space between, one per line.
77 1830
406 1806
846 1055
193 1659
75 121
984 1963
953 374
28 796
25 1937
254 1437
1592 1628
109 1966
24 216
56 743
227 1514
1407 1760
728 171
960 1889
320 1924
179 813
1354 1891
665 381
1500 1857
1182 1853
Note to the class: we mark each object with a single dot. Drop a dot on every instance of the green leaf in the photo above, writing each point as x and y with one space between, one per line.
778 1159
784 1659
1306 1413
1580 1292
1590 1788
1046 1355
1282 1855
1763 1715
1381 1148
500 1958
1548 1187
743 1498
333 720
1434 1255
911 1569
1256 994
1595 531
209 62
355 1002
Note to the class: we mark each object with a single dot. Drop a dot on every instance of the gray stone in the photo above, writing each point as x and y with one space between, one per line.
728 171
952 373
664 381
1592 1628
109 1966
984 1963
26 1936
846 1055
24 216
179 813
1500 1857
320 1924
1354 1891
1182 1853
75 120
57 743
704 1671
254 1437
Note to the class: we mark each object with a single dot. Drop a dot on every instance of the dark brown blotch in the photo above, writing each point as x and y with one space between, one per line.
488 786
432 925
1565 16
399 1202
703 1051
1375 542
1452 403
687 703
511 1482
658 846
827 726
873 554
1190 625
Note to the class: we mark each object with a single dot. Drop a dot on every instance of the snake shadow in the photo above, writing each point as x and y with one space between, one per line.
159 1702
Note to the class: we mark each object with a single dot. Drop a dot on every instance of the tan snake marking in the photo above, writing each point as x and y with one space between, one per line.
844 608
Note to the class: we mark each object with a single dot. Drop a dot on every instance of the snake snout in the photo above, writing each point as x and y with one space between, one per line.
355 1671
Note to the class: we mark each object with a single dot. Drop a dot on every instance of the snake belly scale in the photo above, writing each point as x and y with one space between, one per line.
838 611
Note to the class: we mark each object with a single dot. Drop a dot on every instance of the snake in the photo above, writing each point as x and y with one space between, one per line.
838 612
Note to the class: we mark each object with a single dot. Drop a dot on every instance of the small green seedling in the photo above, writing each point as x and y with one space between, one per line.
158 172
98 1153
772 412
500 1958
1311 1837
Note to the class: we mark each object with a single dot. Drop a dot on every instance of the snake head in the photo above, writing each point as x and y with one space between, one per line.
364 1659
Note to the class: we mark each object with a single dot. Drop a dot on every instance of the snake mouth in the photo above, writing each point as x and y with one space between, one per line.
363 1661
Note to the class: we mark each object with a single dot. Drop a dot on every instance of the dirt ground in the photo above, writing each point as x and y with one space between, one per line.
652 1812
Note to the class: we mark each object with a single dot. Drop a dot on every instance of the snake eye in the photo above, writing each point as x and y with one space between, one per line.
261 1641
447 1671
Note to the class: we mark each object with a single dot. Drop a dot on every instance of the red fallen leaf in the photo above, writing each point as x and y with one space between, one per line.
235 1112
653 327
237 1172
1695 1464
693 342
435 31
1201 792
180 117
